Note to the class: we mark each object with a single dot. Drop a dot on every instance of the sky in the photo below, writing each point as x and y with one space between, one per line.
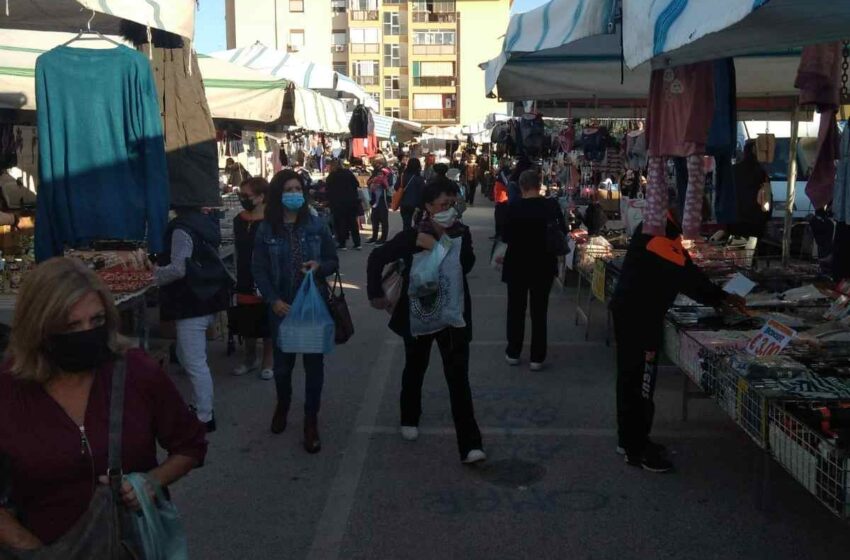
210 31
211 36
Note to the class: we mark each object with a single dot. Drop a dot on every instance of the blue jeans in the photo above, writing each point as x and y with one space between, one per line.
314 368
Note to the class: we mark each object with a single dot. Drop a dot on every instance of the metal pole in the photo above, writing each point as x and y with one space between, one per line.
792 187
276 39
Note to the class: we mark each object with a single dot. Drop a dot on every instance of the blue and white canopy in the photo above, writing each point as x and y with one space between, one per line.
301 72
683 31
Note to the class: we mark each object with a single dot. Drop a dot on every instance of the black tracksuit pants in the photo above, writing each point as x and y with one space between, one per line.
521 292
346 224
454 350
380 221
637 369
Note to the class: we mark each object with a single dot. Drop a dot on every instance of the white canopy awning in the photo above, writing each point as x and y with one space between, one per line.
679 32
175 16
402 130
297 70
233 92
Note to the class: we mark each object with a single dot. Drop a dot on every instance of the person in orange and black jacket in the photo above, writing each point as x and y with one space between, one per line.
656 269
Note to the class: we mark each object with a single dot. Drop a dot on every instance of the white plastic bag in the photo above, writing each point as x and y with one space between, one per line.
425 269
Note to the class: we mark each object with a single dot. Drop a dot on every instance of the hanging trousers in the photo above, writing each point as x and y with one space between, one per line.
454 350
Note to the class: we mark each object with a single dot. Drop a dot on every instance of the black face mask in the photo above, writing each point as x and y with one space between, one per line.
79 352
247 203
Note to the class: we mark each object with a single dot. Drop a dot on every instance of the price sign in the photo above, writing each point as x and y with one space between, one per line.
771 339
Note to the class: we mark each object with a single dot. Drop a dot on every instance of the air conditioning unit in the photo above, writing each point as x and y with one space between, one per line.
339 48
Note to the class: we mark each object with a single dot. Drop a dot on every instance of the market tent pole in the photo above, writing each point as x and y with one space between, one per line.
792 187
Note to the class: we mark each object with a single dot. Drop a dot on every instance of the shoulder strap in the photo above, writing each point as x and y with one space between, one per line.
116 427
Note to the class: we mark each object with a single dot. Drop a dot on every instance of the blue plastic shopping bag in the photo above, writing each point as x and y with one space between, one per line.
309 327
159 527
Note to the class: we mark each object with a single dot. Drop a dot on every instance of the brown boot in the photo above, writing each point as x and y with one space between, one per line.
279 418
311 434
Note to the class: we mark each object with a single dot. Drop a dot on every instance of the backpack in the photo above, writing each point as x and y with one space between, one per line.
533 134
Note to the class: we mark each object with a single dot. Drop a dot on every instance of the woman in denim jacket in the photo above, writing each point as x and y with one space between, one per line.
291 241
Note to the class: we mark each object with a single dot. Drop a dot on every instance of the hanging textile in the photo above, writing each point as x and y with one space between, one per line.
818 79
101 151
841 194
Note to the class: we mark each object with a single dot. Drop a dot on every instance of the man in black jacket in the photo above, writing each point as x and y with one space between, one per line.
655 270
344 200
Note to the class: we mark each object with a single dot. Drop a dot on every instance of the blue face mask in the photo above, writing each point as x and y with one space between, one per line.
293 200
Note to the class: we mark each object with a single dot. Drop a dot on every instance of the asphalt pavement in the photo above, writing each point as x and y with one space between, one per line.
553 486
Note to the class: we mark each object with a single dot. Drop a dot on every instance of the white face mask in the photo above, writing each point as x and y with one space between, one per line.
446 218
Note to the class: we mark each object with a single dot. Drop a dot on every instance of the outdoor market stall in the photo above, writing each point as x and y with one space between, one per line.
568 55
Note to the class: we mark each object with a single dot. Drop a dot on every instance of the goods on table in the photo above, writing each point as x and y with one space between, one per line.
122 271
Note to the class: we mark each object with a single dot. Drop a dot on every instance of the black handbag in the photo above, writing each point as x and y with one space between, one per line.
344 326
206 274
556 241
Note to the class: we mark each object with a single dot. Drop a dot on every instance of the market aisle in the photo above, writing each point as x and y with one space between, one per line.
553 487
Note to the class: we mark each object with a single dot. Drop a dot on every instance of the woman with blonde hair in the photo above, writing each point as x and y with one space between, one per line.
55 392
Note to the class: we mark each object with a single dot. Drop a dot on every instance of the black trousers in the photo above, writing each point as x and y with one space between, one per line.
520 292
346 224
470 192
407 217
454 350
380 219
637 370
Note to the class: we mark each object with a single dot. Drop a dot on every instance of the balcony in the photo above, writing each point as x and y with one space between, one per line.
367 80
365 15
433 49
365 48
434 17
435 115
435 81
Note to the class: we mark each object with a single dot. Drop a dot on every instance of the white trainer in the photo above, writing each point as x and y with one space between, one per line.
409 433
511 361
243 369
267 374
474 456
535 366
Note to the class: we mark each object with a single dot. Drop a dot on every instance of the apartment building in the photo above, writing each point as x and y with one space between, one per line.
418 58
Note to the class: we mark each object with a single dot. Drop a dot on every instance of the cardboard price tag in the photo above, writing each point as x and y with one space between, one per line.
771 339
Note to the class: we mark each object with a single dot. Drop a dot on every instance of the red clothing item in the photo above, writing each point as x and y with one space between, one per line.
681 108
53 473
500 193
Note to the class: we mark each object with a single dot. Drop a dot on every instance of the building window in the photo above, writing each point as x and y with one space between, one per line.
442 11
366 72
377 98
364 10
296 40
434 74
392 57
340 68
365 40
393 112
339 6
392 87
435 106
434 42
339 40
391 23
296 5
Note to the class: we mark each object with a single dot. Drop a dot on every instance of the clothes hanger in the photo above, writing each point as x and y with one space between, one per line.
95 35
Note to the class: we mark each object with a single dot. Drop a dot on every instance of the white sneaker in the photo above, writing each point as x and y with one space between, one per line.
409 433
535 366
511 361
267 375
474 456
243 369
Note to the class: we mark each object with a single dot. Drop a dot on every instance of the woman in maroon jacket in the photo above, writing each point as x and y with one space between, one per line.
54 407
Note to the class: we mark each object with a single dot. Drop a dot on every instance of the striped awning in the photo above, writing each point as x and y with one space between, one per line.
400 129
300 71
175 16
683 31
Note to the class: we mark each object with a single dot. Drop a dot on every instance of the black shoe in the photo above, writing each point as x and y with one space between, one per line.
279 419
210 425
370 241
357 247
651 462
312 443
656 447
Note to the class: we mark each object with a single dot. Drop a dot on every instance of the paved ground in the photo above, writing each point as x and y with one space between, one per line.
552 488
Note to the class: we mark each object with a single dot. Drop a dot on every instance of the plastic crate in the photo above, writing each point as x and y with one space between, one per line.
811 458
